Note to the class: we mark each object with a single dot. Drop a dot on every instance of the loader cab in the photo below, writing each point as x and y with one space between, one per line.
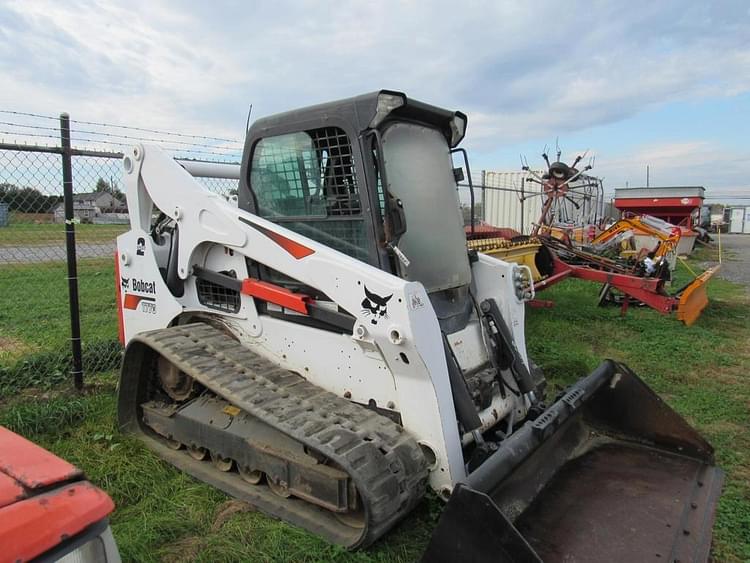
371 176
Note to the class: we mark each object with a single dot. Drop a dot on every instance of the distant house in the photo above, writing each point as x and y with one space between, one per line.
89 206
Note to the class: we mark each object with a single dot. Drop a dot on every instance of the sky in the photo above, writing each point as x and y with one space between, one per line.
663 84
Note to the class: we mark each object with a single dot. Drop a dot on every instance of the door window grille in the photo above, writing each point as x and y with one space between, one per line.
305 174
307 181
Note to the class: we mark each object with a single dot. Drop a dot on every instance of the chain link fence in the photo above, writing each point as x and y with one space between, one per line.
39 340
36 317
514 200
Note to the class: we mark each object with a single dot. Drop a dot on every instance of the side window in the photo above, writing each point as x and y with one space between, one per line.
305 174
307 182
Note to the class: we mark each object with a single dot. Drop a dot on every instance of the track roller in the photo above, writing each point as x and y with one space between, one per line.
280 489
197 452
250 476
221 463
173 444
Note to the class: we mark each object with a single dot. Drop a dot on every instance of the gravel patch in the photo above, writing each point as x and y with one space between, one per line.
735 265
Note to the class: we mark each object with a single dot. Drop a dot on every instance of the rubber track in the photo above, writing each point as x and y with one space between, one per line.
385 463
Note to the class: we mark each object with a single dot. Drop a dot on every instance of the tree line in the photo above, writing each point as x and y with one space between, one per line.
27 200
31 200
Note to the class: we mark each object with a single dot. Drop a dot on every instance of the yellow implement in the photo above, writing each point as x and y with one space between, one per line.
624 230
693 298
518 252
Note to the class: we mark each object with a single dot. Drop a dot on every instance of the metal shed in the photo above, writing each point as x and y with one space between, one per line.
738 218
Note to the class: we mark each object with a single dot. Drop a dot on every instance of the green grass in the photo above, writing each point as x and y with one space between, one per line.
33 234
700 370
35 322
162 515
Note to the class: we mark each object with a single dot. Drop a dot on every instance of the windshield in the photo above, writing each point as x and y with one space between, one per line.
419 170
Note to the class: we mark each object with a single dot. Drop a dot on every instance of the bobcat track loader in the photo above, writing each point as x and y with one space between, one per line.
326 349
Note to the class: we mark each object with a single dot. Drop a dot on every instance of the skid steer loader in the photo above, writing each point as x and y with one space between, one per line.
327 349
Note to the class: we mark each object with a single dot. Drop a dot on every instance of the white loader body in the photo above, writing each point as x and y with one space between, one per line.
398 361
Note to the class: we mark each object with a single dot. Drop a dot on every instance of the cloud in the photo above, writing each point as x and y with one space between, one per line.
105 62
723 171
520 70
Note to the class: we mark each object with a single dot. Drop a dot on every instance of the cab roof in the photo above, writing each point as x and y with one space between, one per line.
359 112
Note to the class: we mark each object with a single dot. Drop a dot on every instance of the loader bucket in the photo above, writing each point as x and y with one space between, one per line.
607 473
693 298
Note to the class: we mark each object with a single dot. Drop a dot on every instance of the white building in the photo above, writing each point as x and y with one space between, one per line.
88 206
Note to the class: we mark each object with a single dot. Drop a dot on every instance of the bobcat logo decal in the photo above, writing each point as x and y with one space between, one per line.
124 282
375 305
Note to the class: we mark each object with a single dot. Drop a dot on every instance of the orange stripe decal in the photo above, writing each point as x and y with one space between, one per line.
296 249
131 301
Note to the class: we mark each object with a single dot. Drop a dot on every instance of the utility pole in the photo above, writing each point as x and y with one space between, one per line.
647 177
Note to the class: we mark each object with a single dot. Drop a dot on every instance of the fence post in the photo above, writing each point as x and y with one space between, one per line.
484 203
70 248
523 201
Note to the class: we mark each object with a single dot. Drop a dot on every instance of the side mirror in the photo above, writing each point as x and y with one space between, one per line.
458 174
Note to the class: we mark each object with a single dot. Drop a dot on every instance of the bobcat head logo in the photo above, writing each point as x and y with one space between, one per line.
375 305
124 282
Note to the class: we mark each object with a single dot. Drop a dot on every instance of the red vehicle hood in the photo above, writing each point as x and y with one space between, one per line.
44 500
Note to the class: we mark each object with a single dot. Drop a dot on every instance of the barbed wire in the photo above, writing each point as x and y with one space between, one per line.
115 135
75 141
120 144
128 127
183 149
27 114
47 136
27 126
157 131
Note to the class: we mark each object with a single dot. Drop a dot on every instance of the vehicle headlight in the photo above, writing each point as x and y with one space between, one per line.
458 128
387 102
91 551
100 549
